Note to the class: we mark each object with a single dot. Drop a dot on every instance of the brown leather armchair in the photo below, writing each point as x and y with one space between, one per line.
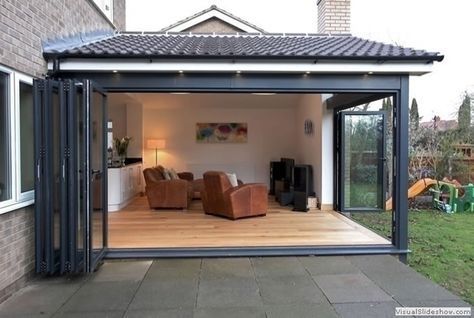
162 193
221 199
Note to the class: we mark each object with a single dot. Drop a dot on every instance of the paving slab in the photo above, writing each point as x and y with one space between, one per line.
301 311
230 312
367 310
174 270
225 293
277 266
92 314
435 303
379 264
161 313
101 297
156 294
410 286
290 290
38 299
325 265
350 288
122 271
227 269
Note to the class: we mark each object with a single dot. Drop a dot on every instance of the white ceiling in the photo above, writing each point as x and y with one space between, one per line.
205 100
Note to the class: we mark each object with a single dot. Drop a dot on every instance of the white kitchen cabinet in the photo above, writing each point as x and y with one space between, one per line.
124 184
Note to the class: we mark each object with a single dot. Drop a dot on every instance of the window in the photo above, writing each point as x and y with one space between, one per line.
27 155
5 176
16 140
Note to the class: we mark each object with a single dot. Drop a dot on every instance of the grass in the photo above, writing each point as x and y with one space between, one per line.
442 246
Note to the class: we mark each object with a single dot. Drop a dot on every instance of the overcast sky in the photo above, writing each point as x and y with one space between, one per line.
440 26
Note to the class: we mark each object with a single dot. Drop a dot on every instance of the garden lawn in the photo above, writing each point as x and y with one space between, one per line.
442 246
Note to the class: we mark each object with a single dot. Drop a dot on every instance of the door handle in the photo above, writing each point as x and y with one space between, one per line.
95 171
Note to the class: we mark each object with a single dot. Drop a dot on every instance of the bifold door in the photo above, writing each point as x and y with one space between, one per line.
71 178
361 161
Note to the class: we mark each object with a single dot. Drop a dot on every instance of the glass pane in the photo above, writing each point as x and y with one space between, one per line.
362 147
26 137
57 170
97 166
80 180
5 174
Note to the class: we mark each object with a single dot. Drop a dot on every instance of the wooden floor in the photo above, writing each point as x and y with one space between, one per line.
137 226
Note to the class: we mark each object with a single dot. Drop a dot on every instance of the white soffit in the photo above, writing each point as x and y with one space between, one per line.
131 65
209 15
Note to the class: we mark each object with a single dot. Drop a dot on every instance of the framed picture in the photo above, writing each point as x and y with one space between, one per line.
221 132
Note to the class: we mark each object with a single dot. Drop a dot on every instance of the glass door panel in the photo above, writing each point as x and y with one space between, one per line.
96 180
70 176
362 161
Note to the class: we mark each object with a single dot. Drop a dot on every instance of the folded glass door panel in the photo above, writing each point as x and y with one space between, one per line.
361 161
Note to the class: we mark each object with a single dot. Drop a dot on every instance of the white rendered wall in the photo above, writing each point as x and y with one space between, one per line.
317 149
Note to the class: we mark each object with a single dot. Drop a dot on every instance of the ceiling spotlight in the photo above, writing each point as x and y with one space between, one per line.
114 71
180 72
238 72
263 94
370 73
308 72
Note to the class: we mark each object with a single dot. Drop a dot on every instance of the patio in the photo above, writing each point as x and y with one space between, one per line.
335 286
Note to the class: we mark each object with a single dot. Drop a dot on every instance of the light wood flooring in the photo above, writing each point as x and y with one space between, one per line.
137 226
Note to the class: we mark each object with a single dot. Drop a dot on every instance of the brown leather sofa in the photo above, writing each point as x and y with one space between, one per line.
221 199
171 194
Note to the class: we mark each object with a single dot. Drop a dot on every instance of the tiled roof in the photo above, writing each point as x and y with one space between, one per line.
212 8
270 46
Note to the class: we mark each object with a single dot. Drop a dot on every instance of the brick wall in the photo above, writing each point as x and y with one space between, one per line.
16 249
334 16
213 25
26 24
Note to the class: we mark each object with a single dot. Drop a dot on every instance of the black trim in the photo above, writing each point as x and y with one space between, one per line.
241 83
400 180
251 251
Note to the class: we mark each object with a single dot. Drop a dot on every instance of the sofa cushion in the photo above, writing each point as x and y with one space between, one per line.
173 174
232 179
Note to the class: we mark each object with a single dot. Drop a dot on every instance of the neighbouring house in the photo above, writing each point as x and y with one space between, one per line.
210 92
440 124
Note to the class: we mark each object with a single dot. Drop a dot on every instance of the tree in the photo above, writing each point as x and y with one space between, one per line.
464 113
414 115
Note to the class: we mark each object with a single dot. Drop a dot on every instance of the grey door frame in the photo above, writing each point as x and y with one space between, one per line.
389 84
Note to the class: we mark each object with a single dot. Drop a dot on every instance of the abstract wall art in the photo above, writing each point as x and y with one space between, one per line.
221 132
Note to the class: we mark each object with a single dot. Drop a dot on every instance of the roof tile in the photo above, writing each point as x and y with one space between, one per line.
267 46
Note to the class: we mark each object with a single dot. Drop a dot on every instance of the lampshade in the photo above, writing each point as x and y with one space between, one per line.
155 143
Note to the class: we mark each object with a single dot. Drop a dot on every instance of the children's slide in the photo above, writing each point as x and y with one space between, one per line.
419 187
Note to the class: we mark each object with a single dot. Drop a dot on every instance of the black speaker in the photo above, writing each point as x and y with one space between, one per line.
277 172
303 186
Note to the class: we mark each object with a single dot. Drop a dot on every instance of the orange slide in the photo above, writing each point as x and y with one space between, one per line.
419 187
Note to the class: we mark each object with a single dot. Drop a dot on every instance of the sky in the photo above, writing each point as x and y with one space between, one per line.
434 25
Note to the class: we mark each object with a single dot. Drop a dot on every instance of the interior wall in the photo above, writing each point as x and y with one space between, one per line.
271 132
126 115
309 148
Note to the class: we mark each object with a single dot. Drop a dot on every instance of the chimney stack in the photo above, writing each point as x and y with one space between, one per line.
334 16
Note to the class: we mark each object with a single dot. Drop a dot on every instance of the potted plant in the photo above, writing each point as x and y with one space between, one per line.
121 146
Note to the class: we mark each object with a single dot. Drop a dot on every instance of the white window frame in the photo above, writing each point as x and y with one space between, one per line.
18 200
21 78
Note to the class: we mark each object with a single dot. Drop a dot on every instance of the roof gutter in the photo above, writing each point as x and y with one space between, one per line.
427 59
